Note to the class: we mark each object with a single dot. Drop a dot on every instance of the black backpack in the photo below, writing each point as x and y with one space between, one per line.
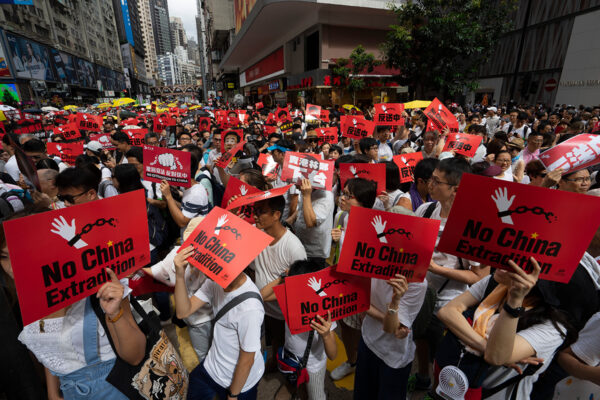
218 190
157 226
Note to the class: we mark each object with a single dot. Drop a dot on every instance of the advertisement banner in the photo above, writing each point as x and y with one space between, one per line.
4 70
308 295
356 127
462 143
381 244
64 67
30 59
167 164
389 114
241 10
224 245
298 166
579 152
372 172
86 74
79 243
406 163
513 221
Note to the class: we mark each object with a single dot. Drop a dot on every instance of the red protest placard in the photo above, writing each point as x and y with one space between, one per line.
327 135
168 164
104 140
259 105
268 129
30 128
462 143
313 110
406 163
514 222
226 158
298 166
324 116
309 295
136 136
145 284
267 164
596 127
389 114
356 127
373 172
79 242
204 124
227 135
89 122
381 244
441 116
224 245
68 131
160 123
579 152
282 114
67 152
259 196
235 187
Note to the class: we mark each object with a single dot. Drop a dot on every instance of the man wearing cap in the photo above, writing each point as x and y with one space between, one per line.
491 121
291 196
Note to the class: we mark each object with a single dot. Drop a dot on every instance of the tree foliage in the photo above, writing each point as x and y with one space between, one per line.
440 45
350 69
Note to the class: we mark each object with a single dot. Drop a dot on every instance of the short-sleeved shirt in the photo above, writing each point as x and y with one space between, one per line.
195 201
237 329
316 240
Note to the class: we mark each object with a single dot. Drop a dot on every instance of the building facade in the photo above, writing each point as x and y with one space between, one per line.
161 25
151 60
549 56
51 47
284 52
178 37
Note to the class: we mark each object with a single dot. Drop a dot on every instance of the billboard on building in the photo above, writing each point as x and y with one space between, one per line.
4 71
31 60
64 66
8 90
242 9
127 22
85 71
18 2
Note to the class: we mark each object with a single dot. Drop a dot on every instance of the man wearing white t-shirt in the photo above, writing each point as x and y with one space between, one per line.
272 262
234 363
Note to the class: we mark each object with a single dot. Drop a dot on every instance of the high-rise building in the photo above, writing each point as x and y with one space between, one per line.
178 36
150 61
193 54
159 10
168 69
77 59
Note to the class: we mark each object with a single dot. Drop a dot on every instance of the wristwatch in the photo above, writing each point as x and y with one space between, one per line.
514 312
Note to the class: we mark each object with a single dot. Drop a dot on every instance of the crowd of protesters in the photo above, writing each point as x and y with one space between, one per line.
528 337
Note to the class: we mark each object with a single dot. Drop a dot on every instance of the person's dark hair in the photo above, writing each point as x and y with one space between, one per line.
364 190
361 158
424 168
121 137
433 133
296 126
522 116
285 143
275 136
366 143
543 124
276 203
501 135
302 267
495 145
193 164
195 150
46 163
382 128
344 159
137 153
477 130
335 147
86 178
496 154
568 174
392 176
6 138
255 178
454 168
34 146
84 160
534 168
186 133
479 167
151 135
128 177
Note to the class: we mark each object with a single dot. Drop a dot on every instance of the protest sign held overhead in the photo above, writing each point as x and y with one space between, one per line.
267 164
463 143
324 116
579 152
308 295
67 152
224 245
441 117
104 140
327 135
389 114
406 163
227 157
298 166
89 122
282 114
515 222
174 166
381 244
356 127
313 110
230 135
236 188
136 136
161 123
68 131
204 124
372 172
79 242
257 196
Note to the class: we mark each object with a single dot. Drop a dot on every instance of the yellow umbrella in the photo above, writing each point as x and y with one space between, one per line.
2 116
69 108
104 105
350 107
122 102
417 104
172 105
161 110
195 107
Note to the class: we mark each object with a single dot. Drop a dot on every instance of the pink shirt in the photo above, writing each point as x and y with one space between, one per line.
529 156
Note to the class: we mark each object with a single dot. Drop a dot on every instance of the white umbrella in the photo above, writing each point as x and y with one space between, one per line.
4 107
49 109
